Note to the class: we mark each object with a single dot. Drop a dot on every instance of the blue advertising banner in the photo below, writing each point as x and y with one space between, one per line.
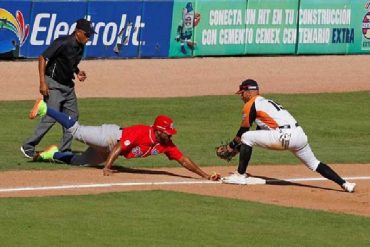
14 28
50 20
130 28
157 16
117 28
125 29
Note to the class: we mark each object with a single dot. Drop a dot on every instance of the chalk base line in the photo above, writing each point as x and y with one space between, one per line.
188 182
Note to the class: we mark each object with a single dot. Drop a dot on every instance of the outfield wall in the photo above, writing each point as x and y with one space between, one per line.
179 28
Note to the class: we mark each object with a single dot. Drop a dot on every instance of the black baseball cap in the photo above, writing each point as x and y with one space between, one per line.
85 26
248 84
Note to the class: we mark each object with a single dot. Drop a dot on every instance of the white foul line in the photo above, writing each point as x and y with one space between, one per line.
105 185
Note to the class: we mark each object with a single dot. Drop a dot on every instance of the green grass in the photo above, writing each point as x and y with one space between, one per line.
337 126
159 218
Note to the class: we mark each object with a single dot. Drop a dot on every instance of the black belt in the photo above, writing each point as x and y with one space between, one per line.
120 139
287 126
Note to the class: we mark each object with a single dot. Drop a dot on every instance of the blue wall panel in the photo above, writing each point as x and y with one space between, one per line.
117 16
157 16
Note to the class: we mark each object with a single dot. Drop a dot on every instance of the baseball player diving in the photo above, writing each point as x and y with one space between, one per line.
277 130
108 141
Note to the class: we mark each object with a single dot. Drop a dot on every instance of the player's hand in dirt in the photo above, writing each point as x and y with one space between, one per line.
108 172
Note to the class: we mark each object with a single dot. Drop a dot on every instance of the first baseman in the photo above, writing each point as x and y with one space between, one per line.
277 129
108 141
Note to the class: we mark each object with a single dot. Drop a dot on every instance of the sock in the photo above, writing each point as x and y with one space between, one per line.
62 118
328 173
244 157
65 157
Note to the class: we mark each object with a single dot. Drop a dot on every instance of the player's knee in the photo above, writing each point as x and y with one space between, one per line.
247 139
313 165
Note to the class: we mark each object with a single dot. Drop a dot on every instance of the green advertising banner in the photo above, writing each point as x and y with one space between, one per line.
221 30
360 21
238 27
272 26
184 21
325 27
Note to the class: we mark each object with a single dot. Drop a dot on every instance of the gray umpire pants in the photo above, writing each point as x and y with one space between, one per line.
62 98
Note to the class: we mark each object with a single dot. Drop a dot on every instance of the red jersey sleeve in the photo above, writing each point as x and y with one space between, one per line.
173 152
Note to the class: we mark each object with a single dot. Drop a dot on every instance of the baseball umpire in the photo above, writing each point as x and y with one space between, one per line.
277 130
108 141
58 65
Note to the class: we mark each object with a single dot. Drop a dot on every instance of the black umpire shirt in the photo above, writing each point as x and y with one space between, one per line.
63 56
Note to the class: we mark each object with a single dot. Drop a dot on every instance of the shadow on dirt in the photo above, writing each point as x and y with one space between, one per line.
276 181
142 171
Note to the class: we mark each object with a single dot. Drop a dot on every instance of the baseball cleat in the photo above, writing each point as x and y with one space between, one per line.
38 109
28 153
349 187
47 155
237 178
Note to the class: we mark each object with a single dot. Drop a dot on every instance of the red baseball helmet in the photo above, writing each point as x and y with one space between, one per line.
165 124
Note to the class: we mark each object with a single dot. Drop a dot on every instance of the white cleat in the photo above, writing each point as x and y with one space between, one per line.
237 178
349 187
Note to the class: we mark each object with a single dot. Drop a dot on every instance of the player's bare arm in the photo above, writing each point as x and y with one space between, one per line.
44 88
191 166
113 155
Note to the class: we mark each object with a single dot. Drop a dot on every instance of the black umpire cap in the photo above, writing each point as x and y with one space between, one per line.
85 26
248 84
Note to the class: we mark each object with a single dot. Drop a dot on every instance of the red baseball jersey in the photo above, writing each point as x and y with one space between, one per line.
138 141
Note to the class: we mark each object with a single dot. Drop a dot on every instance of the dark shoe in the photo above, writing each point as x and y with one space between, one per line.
183 50
28 152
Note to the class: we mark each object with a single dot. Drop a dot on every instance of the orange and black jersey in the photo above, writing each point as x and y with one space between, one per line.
266 113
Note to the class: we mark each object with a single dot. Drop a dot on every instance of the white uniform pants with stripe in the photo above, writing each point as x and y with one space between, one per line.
293 139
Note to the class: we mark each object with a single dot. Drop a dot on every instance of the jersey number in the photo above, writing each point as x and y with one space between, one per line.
277 106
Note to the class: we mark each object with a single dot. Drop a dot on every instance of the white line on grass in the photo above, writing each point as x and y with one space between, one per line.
105 185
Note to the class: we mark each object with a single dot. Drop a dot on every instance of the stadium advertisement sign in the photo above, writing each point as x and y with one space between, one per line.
121 29
272 26
204 27
130 28
50 20
14 28
245 27
326 27
181 28
361 24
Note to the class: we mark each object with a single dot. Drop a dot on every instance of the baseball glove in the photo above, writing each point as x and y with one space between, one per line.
224 153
